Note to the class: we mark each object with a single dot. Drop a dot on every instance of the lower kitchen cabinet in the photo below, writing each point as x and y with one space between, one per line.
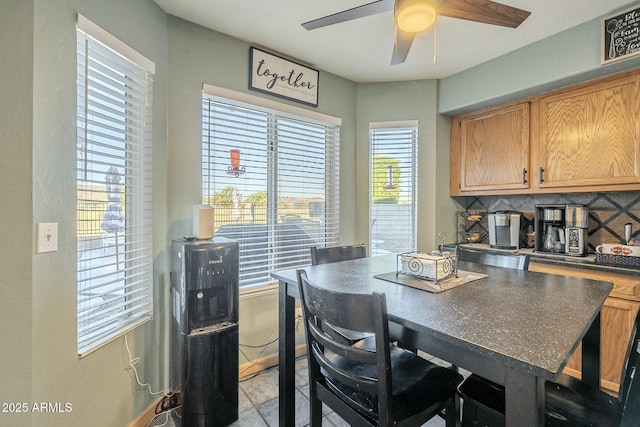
617 317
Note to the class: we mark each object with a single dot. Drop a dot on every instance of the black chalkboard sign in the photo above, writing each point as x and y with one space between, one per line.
621 35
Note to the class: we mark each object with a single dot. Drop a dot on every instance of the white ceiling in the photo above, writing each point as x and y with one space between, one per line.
360 50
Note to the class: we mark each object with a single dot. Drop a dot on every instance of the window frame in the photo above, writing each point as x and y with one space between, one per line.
114 188
277 115
395 130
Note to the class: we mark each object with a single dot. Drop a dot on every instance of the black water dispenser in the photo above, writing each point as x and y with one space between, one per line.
204 294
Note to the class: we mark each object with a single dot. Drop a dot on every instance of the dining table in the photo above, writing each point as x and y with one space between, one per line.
514 327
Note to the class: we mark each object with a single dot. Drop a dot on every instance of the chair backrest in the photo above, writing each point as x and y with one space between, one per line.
357 312
337 253
505 260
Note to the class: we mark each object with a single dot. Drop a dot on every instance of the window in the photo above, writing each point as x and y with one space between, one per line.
393 173
114 186
272 178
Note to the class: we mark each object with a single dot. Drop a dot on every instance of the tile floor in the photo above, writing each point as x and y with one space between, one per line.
258 402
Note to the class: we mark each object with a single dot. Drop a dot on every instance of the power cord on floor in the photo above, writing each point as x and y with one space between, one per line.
164 423
253 362
260 345
132 363
168 402
172 414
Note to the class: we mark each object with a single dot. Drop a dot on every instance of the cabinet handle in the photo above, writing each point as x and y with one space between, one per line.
541 172
524 175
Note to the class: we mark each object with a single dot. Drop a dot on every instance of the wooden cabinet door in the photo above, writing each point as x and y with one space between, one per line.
616 321
588 136
494 149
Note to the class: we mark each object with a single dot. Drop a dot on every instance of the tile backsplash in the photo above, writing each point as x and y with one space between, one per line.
608 212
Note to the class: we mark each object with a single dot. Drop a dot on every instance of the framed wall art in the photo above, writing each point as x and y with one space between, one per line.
621 35
281 77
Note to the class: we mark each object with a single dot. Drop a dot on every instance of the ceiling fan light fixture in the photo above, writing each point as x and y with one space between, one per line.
414 16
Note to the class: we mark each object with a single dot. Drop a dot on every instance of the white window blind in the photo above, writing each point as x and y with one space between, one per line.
114 187
272 179
392 201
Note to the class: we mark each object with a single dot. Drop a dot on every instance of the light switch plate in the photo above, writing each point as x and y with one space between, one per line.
47 240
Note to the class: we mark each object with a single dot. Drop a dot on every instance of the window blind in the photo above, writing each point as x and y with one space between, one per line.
272 179
392 190
114 187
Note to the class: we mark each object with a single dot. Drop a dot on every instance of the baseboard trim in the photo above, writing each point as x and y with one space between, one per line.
255 366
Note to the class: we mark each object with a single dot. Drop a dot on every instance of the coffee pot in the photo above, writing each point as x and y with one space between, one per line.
554 239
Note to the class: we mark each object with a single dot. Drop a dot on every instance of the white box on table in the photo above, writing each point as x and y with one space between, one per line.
427 266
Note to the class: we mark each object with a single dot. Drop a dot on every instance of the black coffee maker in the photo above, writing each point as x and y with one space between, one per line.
562 229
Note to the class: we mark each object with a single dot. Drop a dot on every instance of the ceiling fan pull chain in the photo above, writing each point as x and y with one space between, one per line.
395 27
435 41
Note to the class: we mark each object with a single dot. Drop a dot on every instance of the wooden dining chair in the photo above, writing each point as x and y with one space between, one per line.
337 253
380 386
490 411
568 402
496 259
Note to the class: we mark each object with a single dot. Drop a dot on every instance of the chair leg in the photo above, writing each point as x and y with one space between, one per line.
456 400
315 408
452 413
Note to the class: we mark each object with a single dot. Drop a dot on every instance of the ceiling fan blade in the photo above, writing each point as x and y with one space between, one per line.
349 14
404 41
485 11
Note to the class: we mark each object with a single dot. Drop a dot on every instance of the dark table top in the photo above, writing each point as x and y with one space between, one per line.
530 321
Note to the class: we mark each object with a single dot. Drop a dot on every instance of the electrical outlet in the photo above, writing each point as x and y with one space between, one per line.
47 237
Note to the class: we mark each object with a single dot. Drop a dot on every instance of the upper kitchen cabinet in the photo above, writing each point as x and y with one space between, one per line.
588 135
583 138
490 150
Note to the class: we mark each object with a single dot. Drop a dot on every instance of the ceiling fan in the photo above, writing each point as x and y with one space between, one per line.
414 16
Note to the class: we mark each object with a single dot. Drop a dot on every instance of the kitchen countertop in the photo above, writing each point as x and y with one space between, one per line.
448 314
587 262
484 326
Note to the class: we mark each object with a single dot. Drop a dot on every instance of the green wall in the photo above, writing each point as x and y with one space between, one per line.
16 113
38 361
566 58
399 101
101 384
197 56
